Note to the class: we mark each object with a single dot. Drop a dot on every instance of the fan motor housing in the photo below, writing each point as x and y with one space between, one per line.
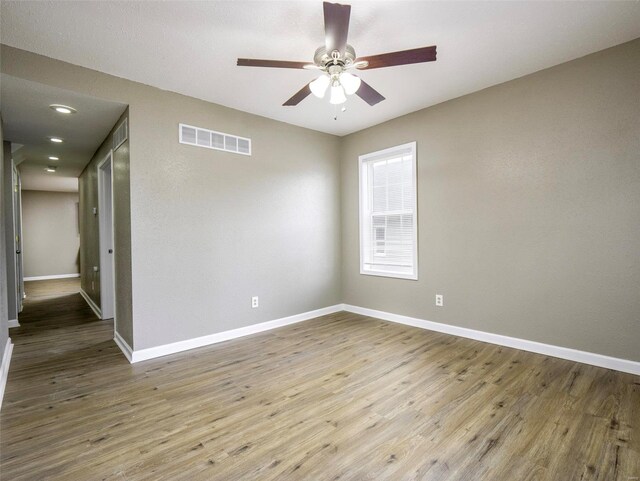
322 58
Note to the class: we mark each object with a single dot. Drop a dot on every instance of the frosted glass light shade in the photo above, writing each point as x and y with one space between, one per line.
350 82
319 86
337 95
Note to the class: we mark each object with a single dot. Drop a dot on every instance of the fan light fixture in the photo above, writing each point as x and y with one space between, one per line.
337 95
341 83
350 82
319 86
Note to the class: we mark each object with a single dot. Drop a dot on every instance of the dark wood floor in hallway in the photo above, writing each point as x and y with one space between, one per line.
342 397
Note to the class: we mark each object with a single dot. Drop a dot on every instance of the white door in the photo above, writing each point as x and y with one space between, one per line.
17 223
105 223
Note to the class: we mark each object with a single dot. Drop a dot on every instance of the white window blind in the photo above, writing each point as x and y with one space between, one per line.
388 213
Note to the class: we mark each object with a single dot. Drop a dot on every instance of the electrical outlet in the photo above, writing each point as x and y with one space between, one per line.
254 302
439 300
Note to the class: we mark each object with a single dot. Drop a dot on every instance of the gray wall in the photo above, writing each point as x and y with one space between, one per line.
4 328
211 229
529 208
9 232
90 234
50 233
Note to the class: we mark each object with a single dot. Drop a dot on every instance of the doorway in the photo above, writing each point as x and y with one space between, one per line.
105 225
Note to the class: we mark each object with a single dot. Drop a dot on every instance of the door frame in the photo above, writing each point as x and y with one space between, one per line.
16 199
106 239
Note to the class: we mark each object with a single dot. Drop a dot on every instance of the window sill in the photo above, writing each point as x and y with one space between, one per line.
394 275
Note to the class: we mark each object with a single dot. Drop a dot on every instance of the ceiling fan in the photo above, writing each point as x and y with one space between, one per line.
336 57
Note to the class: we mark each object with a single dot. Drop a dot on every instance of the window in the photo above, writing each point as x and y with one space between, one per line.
388 213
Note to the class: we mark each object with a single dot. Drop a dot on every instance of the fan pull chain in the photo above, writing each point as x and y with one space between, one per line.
335 111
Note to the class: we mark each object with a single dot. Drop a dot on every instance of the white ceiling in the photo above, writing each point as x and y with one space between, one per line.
191 47
28 120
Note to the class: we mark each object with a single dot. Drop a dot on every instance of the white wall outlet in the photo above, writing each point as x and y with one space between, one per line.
95 211
254 302
439 300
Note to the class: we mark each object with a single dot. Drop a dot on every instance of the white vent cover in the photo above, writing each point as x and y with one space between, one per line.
120 135
211 139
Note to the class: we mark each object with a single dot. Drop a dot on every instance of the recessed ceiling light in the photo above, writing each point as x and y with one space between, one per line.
63 109
51 157
56 140
51 168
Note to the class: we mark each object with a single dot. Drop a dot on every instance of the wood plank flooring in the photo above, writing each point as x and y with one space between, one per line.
342 397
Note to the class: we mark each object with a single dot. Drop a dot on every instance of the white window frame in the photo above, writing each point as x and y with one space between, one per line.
362 166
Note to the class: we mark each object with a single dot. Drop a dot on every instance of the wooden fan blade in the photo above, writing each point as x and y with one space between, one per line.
367 93
302 94
403 57
336 26
252 62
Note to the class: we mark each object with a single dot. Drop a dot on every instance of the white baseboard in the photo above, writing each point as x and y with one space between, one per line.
166 349
13 323
617 364
56 276
94 307
124 346
623 365
4 368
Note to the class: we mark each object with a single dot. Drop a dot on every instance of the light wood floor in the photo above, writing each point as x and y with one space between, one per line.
342 397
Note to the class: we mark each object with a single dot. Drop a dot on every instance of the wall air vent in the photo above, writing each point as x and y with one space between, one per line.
211 139
120 135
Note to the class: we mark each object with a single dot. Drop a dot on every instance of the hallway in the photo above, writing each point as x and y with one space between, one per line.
56 321
60 352
57 331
